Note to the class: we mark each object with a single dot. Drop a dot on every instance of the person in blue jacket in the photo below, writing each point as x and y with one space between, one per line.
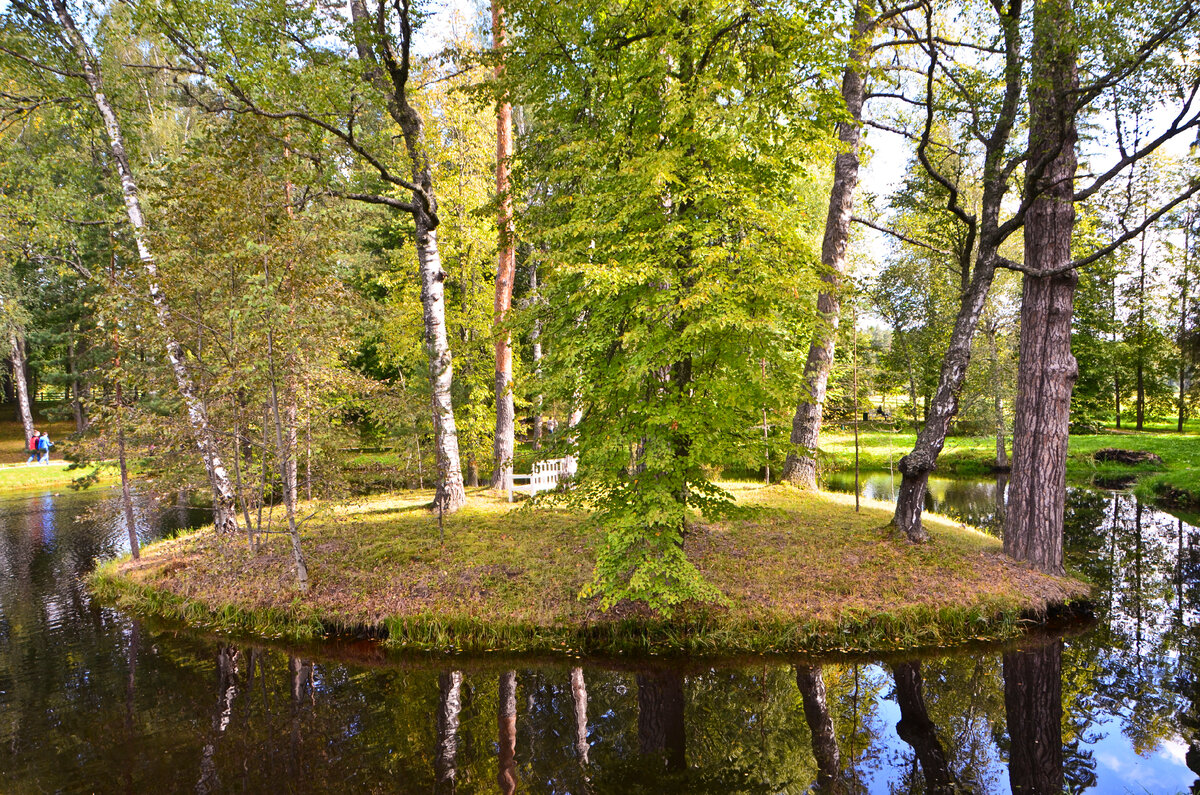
43 445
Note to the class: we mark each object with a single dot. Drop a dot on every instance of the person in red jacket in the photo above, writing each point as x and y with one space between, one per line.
31 444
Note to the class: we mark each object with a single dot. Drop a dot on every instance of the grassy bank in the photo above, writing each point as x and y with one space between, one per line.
32 476
970 455
801 572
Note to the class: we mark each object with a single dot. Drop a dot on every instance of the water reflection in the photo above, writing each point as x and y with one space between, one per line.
91 701
976 501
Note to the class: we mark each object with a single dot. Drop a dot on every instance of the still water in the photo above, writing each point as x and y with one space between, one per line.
92 701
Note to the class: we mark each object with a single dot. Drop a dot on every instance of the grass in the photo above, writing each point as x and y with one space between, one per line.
56 473
16 474
976 454
12 435
801 572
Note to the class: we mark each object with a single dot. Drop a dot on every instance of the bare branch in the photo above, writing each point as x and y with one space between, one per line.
373 198
901 236
39 65
1178 125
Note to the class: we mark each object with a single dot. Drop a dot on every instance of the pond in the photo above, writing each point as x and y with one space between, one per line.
92 701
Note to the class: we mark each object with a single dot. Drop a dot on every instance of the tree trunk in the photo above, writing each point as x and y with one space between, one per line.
580 696
916 729
18 370
1140 397
450 492
800 466
503 442
1001 452
1033 708
1140 417
76 390
126 496
445 761
917 465
507 723
287 471
535 339
820 725
224 511
292 440
1117 396
1046 369
1181 340
660 717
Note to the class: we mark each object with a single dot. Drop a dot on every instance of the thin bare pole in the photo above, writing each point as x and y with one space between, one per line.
854 365
766 441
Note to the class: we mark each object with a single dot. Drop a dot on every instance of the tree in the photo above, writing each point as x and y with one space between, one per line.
1046 368
800 467
506 272
306 80
69 55
990 122
983 232
673 153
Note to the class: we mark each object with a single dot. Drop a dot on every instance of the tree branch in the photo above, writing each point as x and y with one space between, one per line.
901 236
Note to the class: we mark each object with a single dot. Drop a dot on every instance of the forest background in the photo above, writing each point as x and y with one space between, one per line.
380 246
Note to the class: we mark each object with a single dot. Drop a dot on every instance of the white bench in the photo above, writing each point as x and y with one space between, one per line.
546 474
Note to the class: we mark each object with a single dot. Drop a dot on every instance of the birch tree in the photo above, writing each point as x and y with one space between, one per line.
307 69
70 57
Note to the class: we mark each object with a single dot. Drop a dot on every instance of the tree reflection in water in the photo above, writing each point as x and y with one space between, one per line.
1033 706
449 707
90 701
811 682
916 729
660 725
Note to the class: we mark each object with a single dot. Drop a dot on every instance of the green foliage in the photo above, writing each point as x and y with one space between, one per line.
671 154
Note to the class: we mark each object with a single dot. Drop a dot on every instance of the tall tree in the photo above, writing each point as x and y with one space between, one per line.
20 378
984 235
800 466
69 55
1046 369
506 271
251 69
673 200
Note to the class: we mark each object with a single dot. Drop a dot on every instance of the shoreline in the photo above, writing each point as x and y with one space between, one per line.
802 573
1172 484
25 477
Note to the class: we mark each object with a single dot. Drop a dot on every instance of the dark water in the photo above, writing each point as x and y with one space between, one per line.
92 701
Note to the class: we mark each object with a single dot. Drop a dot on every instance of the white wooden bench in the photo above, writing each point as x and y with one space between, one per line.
546 474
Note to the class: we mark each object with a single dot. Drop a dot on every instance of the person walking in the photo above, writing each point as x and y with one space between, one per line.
31 445
43 445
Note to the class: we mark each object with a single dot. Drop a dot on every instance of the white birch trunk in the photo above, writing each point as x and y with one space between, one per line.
22 385
450 492
224 512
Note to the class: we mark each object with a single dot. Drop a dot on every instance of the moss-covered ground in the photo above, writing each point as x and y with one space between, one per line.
801 572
